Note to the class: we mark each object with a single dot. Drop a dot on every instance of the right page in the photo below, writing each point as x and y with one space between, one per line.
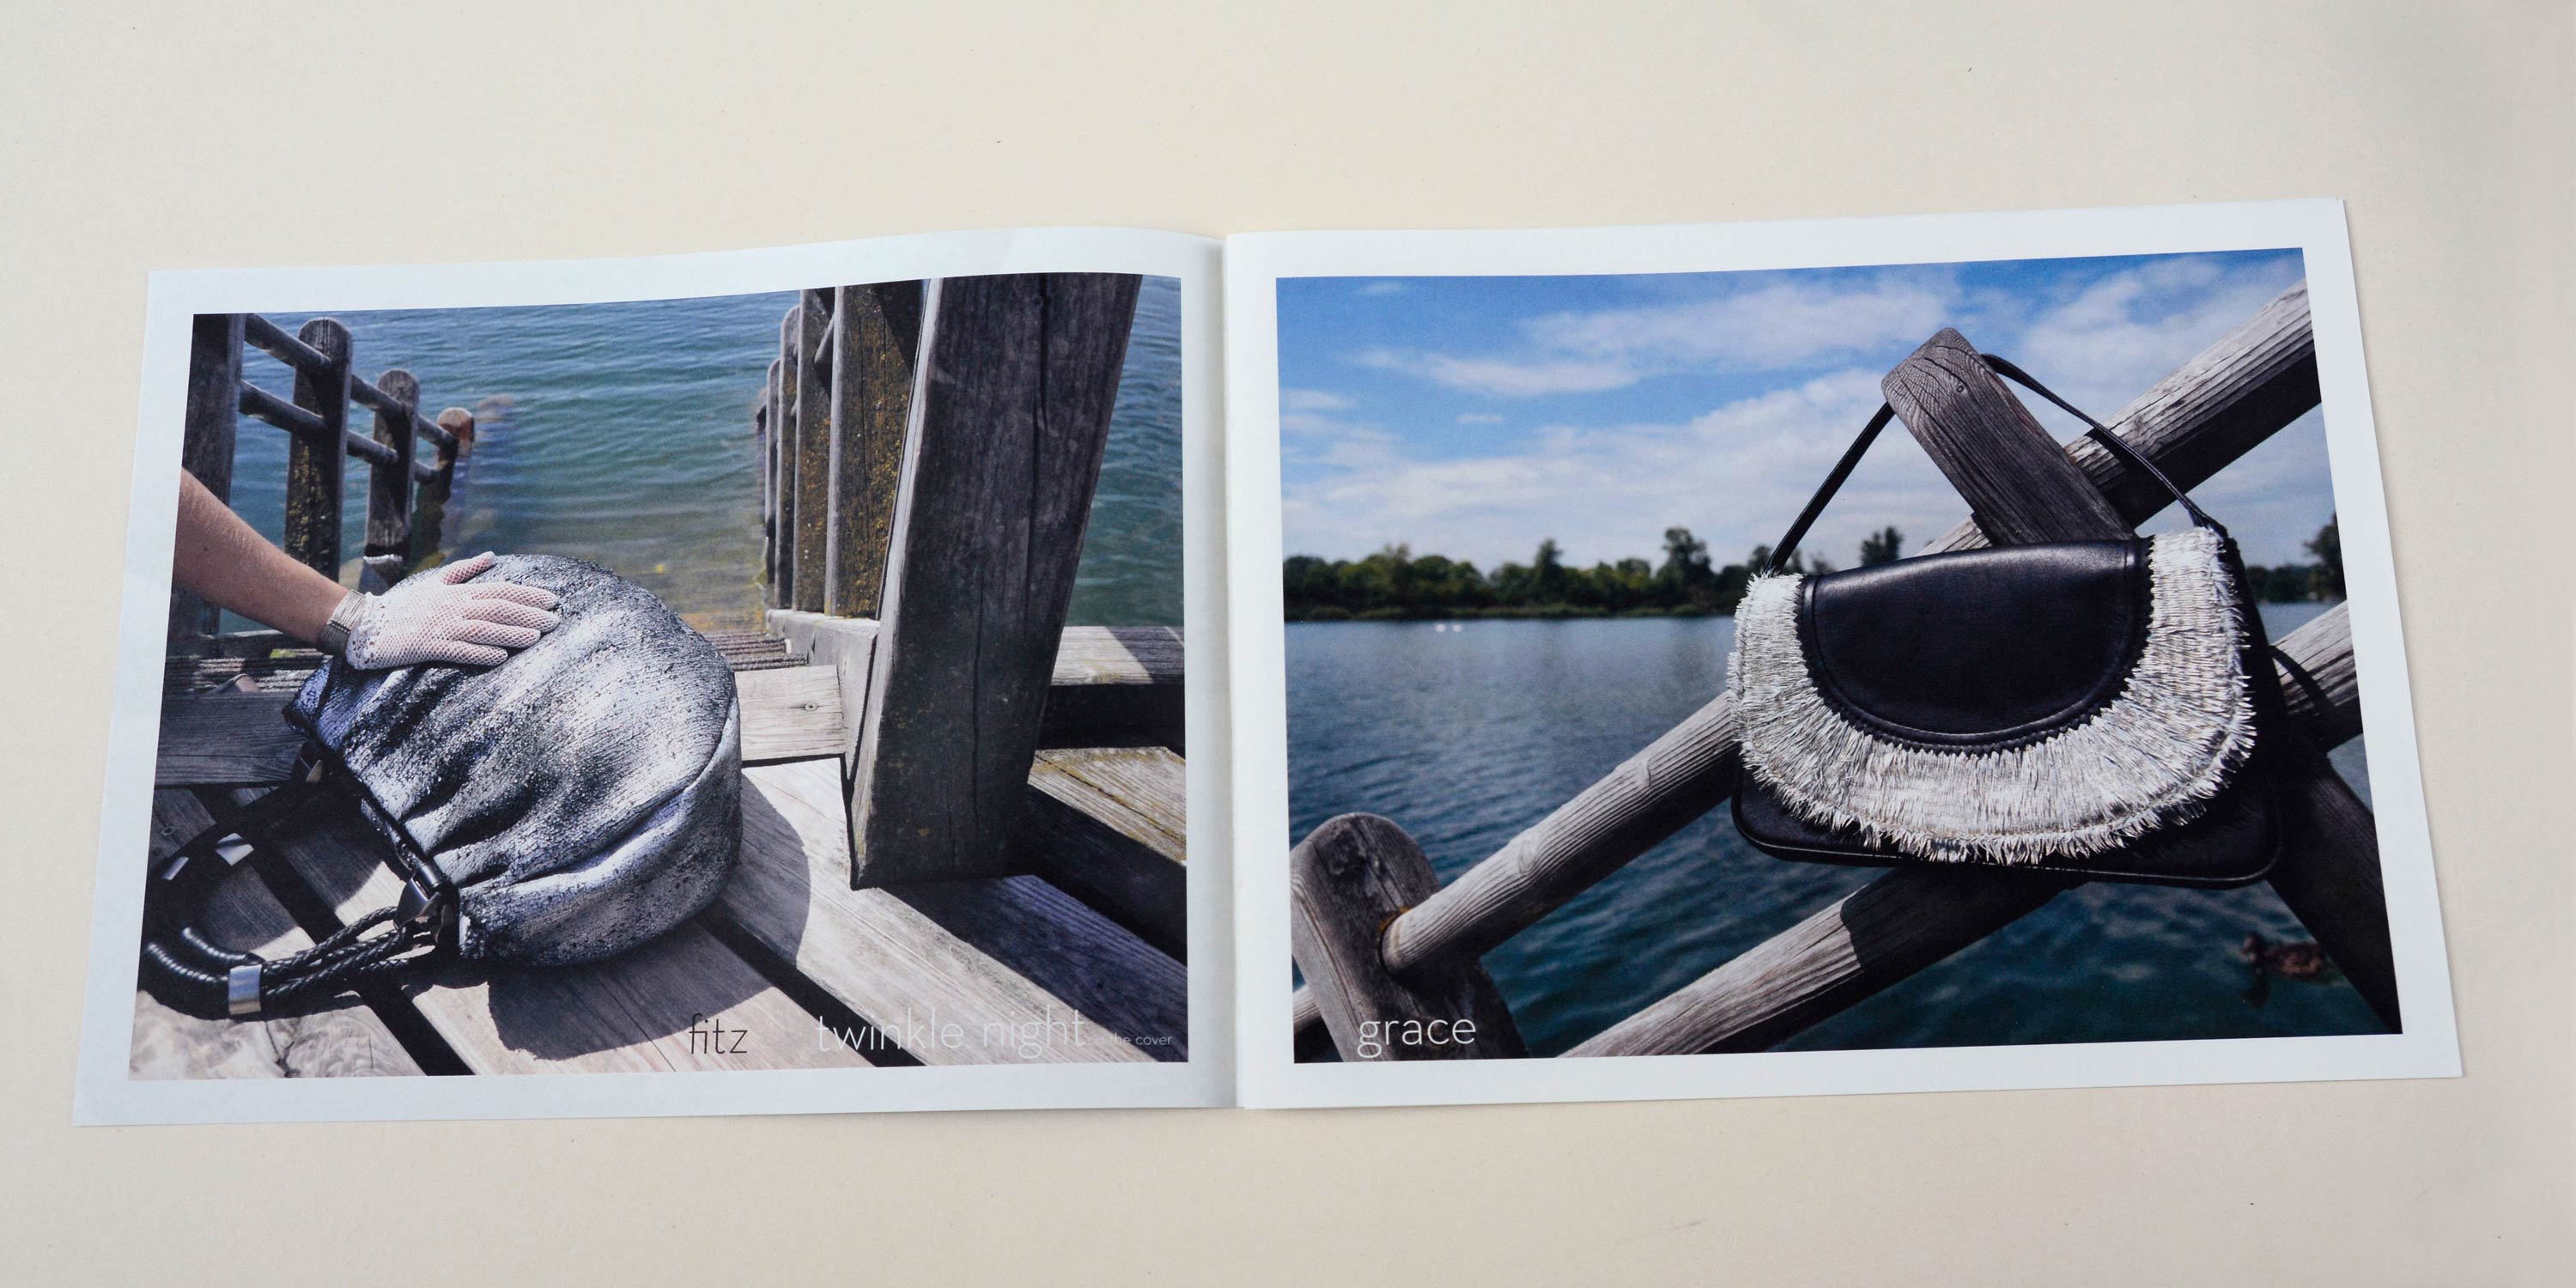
1904 654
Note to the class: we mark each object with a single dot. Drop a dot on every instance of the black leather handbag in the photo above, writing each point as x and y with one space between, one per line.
2095 710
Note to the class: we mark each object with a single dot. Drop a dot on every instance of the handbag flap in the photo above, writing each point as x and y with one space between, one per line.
2010 706
1981 648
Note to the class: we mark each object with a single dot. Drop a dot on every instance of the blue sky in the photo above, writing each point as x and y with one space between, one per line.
1472 416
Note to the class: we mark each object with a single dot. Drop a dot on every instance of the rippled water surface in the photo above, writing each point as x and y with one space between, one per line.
1466 736
621 433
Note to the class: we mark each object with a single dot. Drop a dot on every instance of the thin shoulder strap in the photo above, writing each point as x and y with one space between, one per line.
2097 431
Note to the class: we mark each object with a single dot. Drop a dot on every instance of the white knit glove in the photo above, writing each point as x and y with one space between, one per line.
439 616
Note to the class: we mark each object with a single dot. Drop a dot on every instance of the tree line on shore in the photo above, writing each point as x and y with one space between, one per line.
1395 584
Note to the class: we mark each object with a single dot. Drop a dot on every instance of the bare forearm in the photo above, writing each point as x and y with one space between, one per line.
219 559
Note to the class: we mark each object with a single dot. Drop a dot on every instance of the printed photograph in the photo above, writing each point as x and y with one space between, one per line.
758 682
1913 656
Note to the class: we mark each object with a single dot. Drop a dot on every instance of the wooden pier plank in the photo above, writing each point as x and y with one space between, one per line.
1108 826
1009 417
912 962
681 1002
1116 684
226 739
1142 792
348 1040
790 713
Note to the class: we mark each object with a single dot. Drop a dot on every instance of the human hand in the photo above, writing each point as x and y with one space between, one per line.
440 616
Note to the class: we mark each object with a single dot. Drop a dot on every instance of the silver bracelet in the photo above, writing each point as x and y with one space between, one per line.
334 636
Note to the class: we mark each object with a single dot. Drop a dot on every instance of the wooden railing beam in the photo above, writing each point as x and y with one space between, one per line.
285 348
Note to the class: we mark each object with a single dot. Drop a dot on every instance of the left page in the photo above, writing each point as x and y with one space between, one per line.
754 682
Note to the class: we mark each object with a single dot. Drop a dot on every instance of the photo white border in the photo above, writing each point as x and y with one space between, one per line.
1254 263
105 1094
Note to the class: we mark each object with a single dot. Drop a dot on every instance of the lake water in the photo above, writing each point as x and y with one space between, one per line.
1467 736
621 433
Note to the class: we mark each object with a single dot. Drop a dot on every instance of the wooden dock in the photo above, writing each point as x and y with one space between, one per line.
1381 942
1044 924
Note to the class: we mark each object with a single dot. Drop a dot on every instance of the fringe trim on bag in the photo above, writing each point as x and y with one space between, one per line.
2182 722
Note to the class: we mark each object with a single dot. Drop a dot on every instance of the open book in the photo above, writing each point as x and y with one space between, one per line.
1055 668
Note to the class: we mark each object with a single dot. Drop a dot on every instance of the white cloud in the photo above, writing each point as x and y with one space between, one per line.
1782 325
1383 288
1313 400
1738 473
2121 334
1787 324
1503 378
1735 476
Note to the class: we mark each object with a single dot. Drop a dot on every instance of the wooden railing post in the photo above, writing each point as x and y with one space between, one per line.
429 508
1345 882
813 422
876 331
206 445
782 420
1009 414
773 497
317 465
389 487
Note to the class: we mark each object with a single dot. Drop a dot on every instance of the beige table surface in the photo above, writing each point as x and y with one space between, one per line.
150 136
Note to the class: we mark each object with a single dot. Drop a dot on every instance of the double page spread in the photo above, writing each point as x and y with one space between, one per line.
1079 668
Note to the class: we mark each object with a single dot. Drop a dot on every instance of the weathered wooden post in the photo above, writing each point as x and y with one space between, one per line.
429 512
1009 413
389 487
773 499
813 421
1346 881
760 453
206 445
876 330
316 464
782 420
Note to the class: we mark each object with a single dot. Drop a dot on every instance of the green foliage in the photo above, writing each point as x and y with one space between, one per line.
1393 584
2327 546
1885 546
